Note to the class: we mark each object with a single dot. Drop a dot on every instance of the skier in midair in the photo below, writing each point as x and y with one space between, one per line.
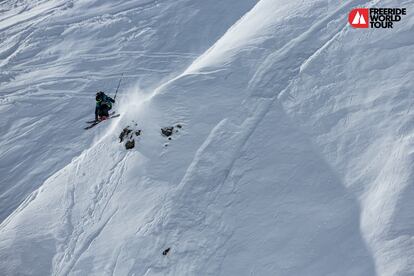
103 105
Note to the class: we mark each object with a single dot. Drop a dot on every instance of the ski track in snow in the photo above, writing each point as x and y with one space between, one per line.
82 235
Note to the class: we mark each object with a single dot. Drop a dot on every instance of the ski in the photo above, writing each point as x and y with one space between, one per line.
94 123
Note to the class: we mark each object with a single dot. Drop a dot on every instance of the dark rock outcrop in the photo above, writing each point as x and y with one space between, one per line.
128 135
130 144
167 131
170 130
165 252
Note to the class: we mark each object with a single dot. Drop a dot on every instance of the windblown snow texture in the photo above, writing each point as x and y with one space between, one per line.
294 155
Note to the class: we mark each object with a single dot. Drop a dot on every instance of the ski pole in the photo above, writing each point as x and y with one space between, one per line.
119 83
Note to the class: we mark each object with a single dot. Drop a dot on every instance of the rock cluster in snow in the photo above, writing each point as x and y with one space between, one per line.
128 135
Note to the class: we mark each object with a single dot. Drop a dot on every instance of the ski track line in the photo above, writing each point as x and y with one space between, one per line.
22 37
51 10
6 53
113 176
40 64
128 53
84 245
91 224
111 266
121 9
11 14
42 12
19 89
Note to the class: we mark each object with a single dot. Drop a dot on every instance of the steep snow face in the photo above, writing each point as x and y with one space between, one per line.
353 100
294 157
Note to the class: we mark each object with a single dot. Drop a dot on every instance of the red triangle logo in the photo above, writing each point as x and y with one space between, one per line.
359 18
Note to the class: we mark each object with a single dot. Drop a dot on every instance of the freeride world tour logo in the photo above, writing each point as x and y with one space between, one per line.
377 18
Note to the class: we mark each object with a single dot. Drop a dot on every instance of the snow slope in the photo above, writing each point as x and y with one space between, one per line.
294 157
55 55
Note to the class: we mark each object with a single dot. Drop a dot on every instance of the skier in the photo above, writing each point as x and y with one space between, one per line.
103 105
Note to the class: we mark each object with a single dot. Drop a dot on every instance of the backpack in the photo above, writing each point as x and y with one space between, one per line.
106 101
103 100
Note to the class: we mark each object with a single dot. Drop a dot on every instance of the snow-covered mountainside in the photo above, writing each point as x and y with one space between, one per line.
291 154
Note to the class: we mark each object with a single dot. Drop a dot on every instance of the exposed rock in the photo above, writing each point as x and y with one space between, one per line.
167 131
165 252
124 134
130 144
128 135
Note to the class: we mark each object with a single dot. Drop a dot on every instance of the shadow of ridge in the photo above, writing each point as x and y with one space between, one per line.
316 221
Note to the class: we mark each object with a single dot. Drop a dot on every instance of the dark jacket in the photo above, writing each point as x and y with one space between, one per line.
103 105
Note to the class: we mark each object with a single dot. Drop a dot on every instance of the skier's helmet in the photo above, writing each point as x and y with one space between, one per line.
99 96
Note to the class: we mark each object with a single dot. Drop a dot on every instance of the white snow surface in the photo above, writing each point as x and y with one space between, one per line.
295 155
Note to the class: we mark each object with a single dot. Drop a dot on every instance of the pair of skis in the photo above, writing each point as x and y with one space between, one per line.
94 123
